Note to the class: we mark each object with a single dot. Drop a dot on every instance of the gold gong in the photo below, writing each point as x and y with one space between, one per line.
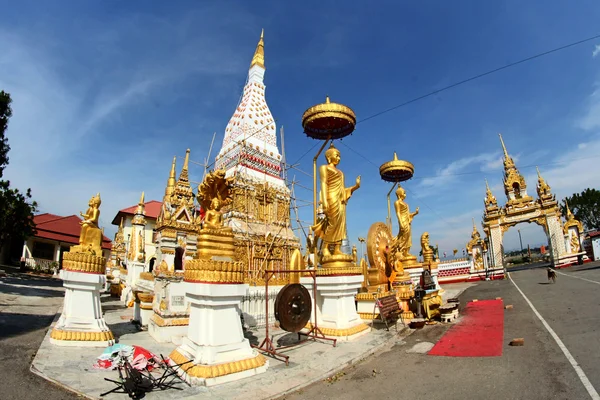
378 238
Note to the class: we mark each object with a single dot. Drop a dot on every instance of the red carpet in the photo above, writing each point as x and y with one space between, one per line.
479 333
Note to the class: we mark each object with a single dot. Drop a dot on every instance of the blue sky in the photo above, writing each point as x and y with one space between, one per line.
106 93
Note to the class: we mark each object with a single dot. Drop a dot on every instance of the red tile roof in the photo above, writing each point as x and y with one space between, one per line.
152 210
594 234
62 229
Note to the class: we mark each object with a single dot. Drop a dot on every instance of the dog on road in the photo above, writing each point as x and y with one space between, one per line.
551 275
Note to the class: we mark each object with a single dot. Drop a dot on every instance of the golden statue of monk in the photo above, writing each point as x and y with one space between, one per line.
334 197
405 217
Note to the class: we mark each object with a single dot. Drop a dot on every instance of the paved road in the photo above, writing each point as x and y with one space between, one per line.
27 306
538 370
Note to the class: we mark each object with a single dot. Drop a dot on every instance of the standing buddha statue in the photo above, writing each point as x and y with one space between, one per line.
405 217
334 197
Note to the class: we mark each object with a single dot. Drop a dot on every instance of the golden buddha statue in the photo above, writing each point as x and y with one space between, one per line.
214 193
334 197
405 217
213 218
90 238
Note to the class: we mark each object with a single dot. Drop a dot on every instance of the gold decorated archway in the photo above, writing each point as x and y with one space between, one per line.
521 207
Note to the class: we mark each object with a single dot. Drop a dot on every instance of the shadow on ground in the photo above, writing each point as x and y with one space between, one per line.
29 285
19 324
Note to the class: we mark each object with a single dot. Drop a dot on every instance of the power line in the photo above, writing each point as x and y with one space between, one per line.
479 76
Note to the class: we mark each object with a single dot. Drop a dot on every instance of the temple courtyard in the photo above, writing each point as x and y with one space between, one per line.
377 365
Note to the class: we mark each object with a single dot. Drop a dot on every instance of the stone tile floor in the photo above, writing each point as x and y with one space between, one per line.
310 362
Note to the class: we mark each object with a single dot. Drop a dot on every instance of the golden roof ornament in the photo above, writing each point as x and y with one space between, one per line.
259 53
171 181
543 188
490 199
328 121
396 170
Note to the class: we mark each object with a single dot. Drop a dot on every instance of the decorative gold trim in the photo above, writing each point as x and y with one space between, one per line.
214 371
84 262
146 307
341 332
338 271
78 336
147 276
371 296
367 316
145 297
160 321
202 270
167 251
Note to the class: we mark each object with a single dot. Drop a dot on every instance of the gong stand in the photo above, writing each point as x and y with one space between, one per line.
315 333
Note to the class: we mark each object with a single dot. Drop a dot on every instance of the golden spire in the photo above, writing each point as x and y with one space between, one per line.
140 208
569 213
538 172
183 176
171 181
487 187
474 227
259 54
503 147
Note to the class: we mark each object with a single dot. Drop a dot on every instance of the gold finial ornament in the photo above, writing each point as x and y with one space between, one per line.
171 181
396 170
259 54
328 121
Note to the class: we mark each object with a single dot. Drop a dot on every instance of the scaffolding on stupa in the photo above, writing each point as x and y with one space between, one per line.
268 240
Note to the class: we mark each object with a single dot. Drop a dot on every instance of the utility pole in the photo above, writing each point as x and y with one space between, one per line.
521 240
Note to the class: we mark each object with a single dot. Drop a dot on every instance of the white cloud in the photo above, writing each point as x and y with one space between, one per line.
596 51
61 134
591 118
450 173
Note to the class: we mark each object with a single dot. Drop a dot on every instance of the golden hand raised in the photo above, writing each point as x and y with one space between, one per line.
358 182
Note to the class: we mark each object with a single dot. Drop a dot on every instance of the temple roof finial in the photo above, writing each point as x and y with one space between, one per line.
259 54
503 146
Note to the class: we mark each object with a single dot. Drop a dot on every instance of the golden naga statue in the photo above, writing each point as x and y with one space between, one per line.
575 244
214 193
90 239
334 197
405 217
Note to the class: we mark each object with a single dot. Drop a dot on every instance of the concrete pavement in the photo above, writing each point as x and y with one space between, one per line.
27 306
537 370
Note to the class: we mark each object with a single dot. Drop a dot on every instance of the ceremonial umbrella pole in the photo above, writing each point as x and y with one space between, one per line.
327 121
397 171
337 275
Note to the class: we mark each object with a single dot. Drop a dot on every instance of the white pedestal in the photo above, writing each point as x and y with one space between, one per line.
336 310
134 269
215 340
81 323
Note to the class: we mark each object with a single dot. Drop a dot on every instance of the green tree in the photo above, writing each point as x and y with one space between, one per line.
5 114
16 208
585 206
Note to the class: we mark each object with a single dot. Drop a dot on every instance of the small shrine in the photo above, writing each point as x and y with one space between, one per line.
81 322
176 239
215 350
477 250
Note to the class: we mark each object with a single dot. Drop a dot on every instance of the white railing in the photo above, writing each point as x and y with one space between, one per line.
40 264
461 263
